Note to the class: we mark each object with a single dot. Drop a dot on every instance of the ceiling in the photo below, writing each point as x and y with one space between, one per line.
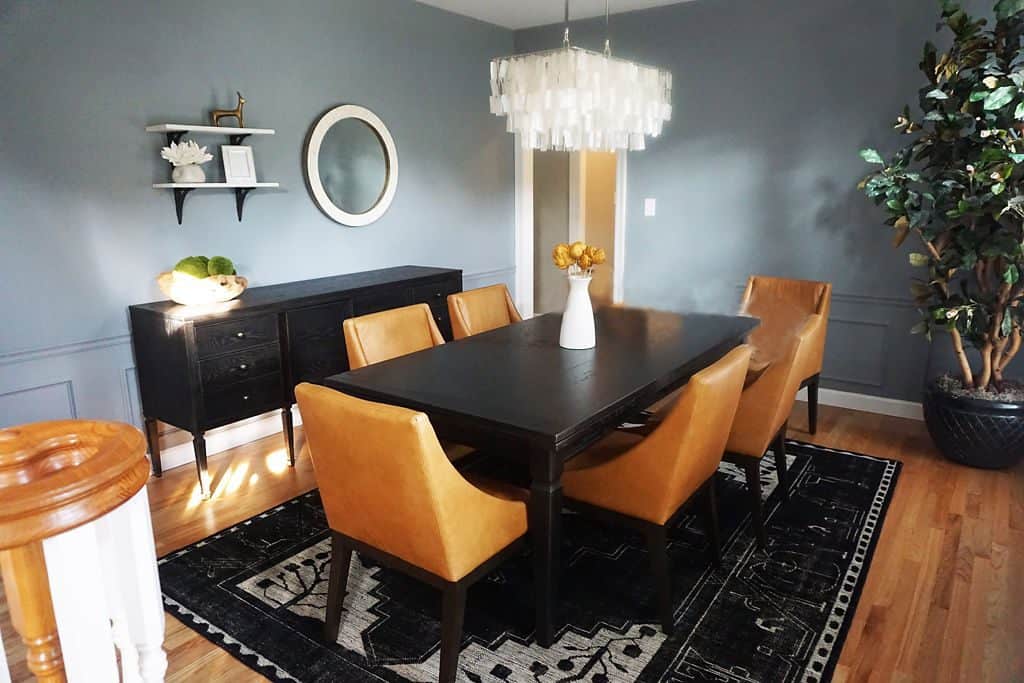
516 14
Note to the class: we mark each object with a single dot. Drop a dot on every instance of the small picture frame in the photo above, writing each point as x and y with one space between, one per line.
239 167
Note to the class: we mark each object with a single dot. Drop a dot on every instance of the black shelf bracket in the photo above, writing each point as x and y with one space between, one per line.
179 200
240 194
175 136
237 139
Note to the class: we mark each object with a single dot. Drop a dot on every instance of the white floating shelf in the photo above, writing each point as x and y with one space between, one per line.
214 130
199 186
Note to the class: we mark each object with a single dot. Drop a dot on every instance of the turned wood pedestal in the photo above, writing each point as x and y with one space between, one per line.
76 551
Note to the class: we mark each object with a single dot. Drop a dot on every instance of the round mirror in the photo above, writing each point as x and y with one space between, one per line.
351 165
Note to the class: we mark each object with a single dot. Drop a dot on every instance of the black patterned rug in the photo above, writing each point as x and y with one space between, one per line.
258 590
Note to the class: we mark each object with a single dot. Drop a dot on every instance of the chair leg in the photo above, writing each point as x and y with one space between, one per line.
753 469
812 404
453 611
341 558
779 449
711 521
657 548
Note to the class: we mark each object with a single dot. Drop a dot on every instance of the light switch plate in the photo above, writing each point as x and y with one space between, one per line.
650 206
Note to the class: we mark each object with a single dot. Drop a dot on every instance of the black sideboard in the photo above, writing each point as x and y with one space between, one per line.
201 367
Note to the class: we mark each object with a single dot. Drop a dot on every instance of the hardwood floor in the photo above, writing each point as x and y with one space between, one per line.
944 599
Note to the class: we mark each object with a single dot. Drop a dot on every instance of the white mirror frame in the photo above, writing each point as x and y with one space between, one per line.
316 138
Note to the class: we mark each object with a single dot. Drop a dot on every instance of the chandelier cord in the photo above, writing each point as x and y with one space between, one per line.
565 37
607 31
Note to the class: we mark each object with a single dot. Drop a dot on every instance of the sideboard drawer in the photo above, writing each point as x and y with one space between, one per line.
318 322
435 294
223 371
243 399
233 335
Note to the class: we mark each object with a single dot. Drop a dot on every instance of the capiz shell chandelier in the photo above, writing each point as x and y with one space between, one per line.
574 99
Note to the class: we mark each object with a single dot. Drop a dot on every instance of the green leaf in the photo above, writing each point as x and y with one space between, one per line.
894 205
937 95
998 188
871 156
1007 327
1007 8
918 260
1011 275
1000 97
978 95
1019 112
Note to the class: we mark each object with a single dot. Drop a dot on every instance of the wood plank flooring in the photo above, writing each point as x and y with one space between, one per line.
944 599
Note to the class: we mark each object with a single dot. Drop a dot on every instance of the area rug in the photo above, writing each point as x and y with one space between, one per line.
258 590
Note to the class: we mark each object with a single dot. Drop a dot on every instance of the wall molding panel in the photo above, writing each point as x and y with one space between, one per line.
51 401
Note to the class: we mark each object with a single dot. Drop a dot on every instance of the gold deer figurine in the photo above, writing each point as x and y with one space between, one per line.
217 114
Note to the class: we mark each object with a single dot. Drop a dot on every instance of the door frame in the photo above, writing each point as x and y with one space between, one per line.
524 227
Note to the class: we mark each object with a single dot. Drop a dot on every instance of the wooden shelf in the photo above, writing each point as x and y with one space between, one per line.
181 190
175 131
199 186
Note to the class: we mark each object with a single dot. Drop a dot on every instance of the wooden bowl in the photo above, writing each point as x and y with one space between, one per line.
191 291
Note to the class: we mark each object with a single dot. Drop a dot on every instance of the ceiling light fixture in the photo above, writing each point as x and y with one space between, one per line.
573 99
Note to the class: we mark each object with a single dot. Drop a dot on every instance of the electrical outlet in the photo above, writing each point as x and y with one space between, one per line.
650 206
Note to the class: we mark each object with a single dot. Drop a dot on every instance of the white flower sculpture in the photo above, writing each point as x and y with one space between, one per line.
186 153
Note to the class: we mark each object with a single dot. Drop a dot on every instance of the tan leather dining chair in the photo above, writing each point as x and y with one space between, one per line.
643 483
481 310
783 305
378 337
762 415
390 494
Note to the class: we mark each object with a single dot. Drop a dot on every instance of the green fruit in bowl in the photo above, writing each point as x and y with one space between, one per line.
221 265
196 266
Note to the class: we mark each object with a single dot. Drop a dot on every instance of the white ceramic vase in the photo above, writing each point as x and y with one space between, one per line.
189 173
578 319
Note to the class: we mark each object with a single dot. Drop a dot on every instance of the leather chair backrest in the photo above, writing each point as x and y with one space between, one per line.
481 310
667 467
783 305
382 336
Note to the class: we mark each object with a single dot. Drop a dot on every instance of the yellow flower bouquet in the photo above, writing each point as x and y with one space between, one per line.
578 258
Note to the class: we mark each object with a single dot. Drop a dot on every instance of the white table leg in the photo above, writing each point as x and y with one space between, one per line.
133 585
83 622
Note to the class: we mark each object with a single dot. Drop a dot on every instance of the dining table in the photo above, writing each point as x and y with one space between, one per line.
515 393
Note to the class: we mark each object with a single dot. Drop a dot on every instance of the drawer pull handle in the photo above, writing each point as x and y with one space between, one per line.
243 366
438 295
246 397
240 335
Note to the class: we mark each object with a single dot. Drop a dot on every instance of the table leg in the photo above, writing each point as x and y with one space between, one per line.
545 519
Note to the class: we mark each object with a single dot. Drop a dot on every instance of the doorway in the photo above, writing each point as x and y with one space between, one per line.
568 197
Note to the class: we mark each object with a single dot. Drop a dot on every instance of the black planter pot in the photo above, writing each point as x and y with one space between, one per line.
971 431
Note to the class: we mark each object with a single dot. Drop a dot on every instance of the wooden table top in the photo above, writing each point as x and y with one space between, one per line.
518 379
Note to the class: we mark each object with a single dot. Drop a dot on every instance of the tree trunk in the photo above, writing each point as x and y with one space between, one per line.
966 374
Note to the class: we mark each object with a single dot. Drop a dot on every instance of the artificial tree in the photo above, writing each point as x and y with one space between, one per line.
958 185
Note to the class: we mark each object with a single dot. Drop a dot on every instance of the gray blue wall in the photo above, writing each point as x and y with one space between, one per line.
82 233
756 172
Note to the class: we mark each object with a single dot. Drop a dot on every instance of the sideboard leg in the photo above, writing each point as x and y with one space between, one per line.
153 442
289 434
199 446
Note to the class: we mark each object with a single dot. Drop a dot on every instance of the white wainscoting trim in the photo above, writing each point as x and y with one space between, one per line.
869 404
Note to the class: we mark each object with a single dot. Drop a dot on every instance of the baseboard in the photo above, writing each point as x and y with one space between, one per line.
228 437
867 403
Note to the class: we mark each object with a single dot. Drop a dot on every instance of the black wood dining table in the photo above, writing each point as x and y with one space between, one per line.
515 393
